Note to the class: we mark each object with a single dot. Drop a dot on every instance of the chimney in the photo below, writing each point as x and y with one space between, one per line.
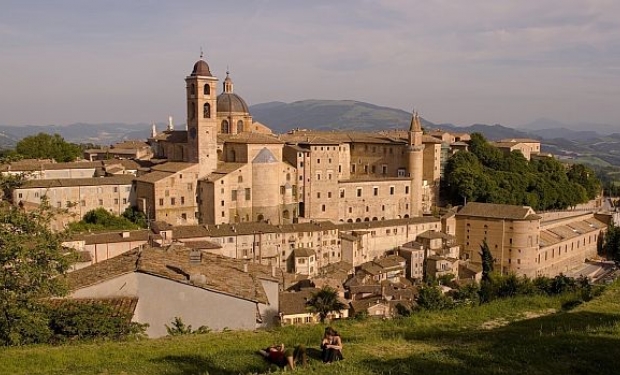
195 256
245 267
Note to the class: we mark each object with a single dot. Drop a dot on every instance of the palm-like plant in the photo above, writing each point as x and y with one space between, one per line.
325 301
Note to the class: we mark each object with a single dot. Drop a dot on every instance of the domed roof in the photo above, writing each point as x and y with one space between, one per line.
231 102
201 68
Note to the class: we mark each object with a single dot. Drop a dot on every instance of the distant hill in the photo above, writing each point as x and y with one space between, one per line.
102 134
545 124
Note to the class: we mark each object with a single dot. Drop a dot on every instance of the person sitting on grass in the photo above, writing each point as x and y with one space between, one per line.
283 357
331 346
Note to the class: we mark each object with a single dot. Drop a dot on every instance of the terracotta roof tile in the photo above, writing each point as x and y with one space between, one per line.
497 211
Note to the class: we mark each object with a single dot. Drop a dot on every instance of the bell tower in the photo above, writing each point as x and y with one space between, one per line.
201 95
415 153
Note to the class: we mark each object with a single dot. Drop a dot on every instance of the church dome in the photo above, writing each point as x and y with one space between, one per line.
201 68
228 102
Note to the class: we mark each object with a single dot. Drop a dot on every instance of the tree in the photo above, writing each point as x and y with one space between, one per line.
430 297
325 301
487 260
32 259
46 146
610 247
101 219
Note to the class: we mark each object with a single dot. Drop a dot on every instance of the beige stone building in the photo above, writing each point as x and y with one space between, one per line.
80 195
242 173
522 243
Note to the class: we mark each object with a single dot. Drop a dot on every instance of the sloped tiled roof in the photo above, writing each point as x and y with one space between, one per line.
71 182
295 302
303 252
121 306
224 275
497 211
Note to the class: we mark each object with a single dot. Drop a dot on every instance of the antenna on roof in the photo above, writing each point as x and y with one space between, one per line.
201 53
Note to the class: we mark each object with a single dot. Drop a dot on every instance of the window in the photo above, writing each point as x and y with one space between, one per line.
184 216
341 193
318 176
384 169
406 189
318 195
124 201
391 190
318 161
222 203
323 208
115 201
173 201
83 203
359 192
182 200
206 110
224 128
207 89
282 189
116 189
248 194
190 187
161 201
329 194
240 179
100 202
375 191
233 195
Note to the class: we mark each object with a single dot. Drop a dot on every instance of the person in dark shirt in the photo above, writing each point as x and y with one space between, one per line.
331 346
285 357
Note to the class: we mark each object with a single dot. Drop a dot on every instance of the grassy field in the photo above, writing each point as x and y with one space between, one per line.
518 336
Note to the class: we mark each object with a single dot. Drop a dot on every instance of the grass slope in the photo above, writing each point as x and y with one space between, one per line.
517 336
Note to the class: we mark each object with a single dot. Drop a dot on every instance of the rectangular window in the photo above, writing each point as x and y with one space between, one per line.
124 200
329 194
115 201
248 194
359 192
182 200
100 202
318 161
83 203
406 189
161 201
173 201
375 191
282 189
323 208
391 190
233 195
222 203
384 169
341 193
116 189
318 195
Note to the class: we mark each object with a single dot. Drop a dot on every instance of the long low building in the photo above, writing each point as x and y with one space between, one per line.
521 242
80 195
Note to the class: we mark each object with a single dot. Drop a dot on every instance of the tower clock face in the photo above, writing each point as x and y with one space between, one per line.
192 132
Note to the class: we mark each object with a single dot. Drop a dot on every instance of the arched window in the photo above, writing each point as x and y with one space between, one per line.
224 126
192 90
239 126
206 112
260 217
286 214
192 110
207 89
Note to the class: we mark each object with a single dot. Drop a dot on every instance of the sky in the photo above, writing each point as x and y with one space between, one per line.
461 62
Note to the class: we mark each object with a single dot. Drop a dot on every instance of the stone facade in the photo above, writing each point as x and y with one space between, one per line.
521 243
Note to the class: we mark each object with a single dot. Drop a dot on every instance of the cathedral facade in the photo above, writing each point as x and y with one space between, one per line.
226 168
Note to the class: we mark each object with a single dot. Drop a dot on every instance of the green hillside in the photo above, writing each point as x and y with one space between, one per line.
514 336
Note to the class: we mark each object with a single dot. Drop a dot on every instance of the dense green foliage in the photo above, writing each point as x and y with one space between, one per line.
610 247
522 335
73 320
100 219
485 174
324 302
136 216
44 146
31 257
